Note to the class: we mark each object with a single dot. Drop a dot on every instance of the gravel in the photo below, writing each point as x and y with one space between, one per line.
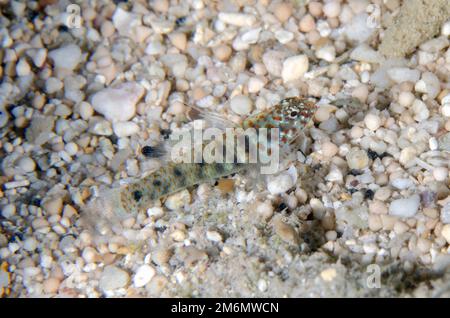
367 183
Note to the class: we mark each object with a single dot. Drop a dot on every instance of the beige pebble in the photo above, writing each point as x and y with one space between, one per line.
383 193
283 11
307 23
378 207
445 232
51 285
315 8
265 209
285 231
107 29
400 227
423 245
301 195
328 274
222 52
388 221
357 159
440 173
329 149
160 5
178 40
375 223
431 212
322 114
53 205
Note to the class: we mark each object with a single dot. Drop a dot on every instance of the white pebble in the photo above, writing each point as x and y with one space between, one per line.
255 84
440 173
445 110
280 184
237 19
113 278
53 85
332 9
372 121
143 275
445 213
403 74
406 207
241 104
30 244
327 53
265 209
8 211
155 212
118 103
294 67
429 84
66 57
125 128
420 110
357 159
214 236
178 200
26 164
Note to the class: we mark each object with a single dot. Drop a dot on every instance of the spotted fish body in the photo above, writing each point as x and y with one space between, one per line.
291 116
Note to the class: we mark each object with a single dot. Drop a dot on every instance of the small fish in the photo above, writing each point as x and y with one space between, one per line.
290 116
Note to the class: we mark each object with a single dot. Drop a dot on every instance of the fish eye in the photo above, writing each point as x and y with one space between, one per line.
293 114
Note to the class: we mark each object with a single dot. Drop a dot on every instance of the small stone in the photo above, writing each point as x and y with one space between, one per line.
446 232
265 210
113 278
329 149
155 48
273 61
178 200
372 121
307 23
53 206
440 173
178 40
222 52
214 236
283 11
155 212
365 53
357 159
23 68
280 184
66 57
86 110
89 254
400 227
358 30
100 127
294 67
255 84
38 56
403 74
237 19
407 154
420 110
378 207
125 128
445 213
326 53
51 285
118 103
445 110
429 84
328 274
285 231
53 85
241 104
402 183
406 207
143 276
30 244
8 211
26 164
332 9
406 99
375 223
